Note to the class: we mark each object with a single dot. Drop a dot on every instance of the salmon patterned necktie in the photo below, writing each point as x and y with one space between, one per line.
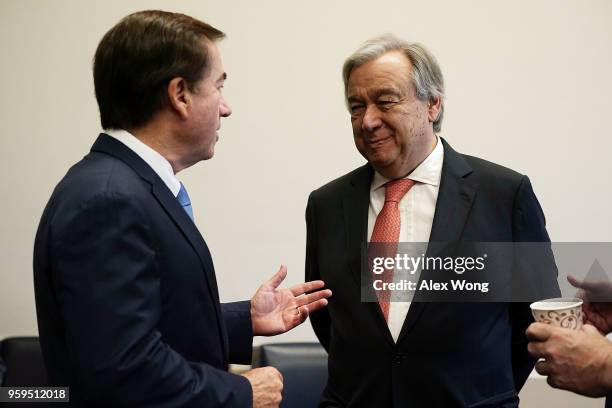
387 230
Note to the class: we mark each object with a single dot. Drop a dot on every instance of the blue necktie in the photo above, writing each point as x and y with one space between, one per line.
183 198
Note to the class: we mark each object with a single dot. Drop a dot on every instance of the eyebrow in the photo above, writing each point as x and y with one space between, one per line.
377 94
352 99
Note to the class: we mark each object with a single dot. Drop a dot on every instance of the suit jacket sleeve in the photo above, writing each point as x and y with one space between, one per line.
107 283
320 320
536 271
237 316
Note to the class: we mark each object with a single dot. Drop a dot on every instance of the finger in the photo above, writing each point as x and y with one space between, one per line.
594 319
313 307
575 282
273 372
590 285
313 297
280 376
298 317
552 381
536 349
278 277
304 313
305 287
543 367
539 331
590 329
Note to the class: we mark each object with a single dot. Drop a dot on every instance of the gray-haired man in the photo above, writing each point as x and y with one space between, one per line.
414 354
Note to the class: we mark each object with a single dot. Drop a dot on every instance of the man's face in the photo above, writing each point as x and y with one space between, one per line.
393 129
207 109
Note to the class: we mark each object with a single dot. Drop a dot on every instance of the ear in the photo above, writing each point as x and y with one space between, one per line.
179 97
433 108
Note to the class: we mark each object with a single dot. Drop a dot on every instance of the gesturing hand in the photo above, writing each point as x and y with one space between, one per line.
276 311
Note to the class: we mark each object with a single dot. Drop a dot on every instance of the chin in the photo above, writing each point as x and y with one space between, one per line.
208 152
379 159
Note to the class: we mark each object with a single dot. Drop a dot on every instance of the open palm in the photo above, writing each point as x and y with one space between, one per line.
276 311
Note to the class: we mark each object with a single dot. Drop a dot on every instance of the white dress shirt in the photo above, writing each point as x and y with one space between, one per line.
156 161
416 213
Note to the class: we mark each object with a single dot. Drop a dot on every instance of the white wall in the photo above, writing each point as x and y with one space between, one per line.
528 86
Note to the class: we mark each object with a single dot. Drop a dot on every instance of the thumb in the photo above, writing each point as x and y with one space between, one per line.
590 285
575 282
278 277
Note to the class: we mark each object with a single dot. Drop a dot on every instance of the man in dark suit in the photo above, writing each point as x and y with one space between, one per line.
127 301
415 188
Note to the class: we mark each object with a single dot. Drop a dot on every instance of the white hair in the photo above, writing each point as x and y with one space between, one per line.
426 74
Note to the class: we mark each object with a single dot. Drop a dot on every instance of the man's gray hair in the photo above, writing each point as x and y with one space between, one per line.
426 74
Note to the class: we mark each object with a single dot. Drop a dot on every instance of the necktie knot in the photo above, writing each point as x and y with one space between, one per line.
183 199
395 190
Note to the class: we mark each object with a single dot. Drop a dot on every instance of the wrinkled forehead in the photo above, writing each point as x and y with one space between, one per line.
391 72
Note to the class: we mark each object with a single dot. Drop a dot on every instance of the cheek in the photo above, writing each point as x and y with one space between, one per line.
410 123
358 140
359 143
356 127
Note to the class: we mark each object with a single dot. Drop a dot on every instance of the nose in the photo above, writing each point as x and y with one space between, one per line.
371 118
224 109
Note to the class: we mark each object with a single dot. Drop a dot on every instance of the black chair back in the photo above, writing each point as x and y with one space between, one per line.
23 362
304 370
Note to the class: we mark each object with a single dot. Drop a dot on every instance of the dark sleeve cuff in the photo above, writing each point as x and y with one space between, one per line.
237 316
241 390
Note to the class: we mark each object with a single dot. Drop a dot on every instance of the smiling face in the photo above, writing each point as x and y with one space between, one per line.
392 128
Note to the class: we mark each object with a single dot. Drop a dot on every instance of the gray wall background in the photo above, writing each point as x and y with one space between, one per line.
528 85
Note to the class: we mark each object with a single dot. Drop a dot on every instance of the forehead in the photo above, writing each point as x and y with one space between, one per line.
215 65
392 69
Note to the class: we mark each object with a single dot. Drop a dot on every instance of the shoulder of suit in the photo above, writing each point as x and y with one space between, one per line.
485 169
342 183
97 175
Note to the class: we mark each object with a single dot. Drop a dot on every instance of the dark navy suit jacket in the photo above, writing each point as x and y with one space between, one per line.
447 354
126 295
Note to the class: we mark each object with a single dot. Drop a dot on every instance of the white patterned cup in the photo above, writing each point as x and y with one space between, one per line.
561 312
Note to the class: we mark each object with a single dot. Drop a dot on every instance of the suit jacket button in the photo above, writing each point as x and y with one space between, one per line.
397 359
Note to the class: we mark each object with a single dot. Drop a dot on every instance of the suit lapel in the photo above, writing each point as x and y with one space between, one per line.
355 207
455 198
181 219
175 211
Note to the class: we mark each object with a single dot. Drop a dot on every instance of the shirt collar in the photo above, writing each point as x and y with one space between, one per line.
156 161
428 172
